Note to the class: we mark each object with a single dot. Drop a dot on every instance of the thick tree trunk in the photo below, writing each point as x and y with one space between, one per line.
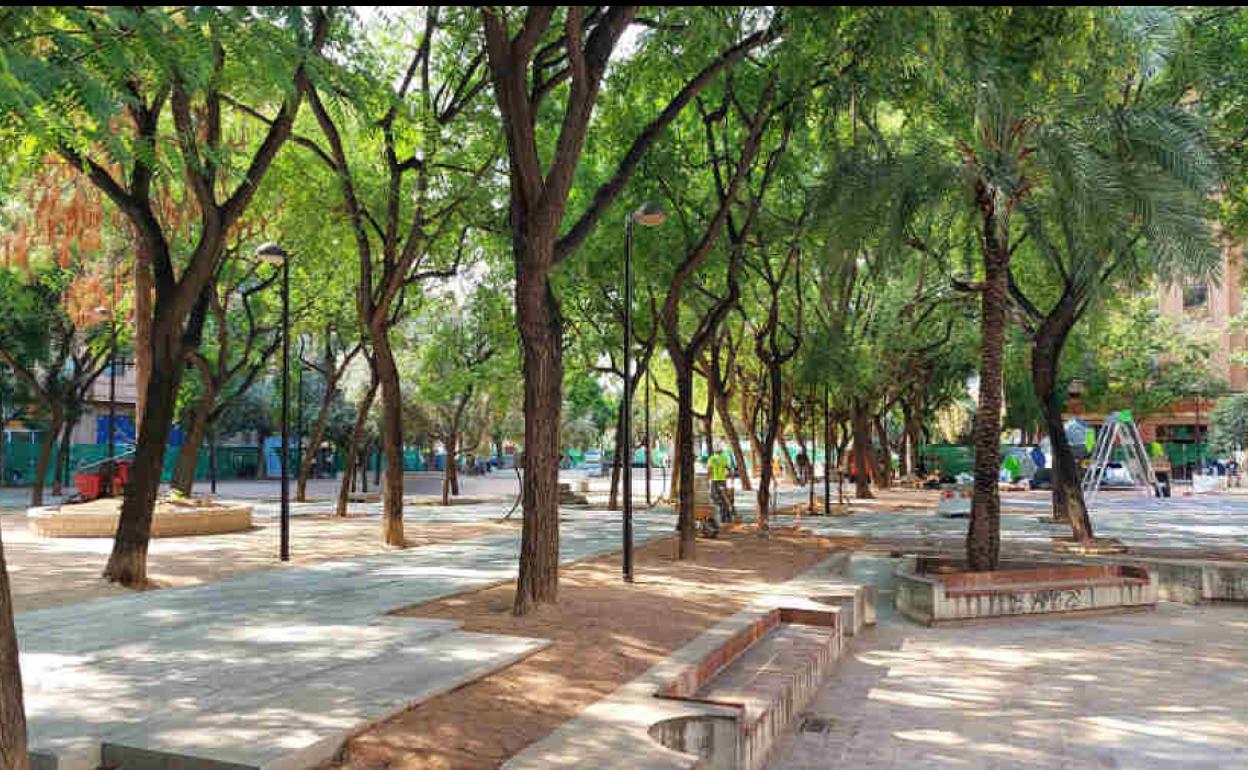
864 452
685 457
45 458
541 335
391 438
13 751
128 562
983 537
1068 503
188 453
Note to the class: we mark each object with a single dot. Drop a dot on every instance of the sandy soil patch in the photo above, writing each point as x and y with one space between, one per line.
605 633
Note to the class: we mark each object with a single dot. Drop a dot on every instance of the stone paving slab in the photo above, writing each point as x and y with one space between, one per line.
1143 522
1166 689
312 642
303 723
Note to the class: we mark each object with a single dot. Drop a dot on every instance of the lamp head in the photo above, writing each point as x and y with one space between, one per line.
649 215
271 253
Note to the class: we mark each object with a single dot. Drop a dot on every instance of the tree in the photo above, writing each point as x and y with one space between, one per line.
241 345
526 67
57 357
134 99
406 163
459 369
1229 424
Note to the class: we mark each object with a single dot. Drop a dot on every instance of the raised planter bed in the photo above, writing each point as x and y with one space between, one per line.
937 590
719 702
171 519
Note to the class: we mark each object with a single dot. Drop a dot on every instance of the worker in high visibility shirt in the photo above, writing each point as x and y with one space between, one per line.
717 467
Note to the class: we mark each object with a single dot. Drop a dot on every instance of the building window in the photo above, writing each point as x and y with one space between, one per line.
1195 297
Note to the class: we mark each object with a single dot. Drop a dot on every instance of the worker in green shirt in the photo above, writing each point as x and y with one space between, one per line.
717 467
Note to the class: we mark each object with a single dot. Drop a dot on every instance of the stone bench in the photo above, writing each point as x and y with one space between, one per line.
1192 581
720 701
925 592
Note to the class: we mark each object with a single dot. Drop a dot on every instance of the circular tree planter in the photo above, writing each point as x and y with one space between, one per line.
938 590
180 518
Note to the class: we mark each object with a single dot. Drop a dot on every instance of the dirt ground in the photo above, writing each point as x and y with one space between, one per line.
47 572
605 633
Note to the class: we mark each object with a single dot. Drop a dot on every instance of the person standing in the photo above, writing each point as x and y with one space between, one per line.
717 467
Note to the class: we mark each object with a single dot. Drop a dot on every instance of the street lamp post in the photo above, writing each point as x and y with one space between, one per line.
275 254
648 215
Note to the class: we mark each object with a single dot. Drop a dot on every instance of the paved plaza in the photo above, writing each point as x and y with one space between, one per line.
1160 689
1217 524
267 665
274 667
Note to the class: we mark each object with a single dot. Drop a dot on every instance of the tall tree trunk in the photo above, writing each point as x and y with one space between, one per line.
13 751
60 478
144 293
541 335
450 474
864 452
318 435
883 458
613 498
262 472
391 438
128 562
685 456
983 537
734 440
786 459
747 410
45 457
1068 503
771 433
188 453
351 468
913 415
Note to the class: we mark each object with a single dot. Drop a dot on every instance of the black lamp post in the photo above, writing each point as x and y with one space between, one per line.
648 215
275 254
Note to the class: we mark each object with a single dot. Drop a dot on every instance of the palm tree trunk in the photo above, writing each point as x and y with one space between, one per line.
983 537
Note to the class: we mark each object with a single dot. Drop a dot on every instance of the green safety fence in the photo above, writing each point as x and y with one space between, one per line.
947 459
233 462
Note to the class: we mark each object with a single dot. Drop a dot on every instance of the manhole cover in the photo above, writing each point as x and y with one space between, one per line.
816 725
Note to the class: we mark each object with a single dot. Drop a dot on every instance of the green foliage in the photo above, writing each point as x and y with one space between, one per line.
1142 361
1229 424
